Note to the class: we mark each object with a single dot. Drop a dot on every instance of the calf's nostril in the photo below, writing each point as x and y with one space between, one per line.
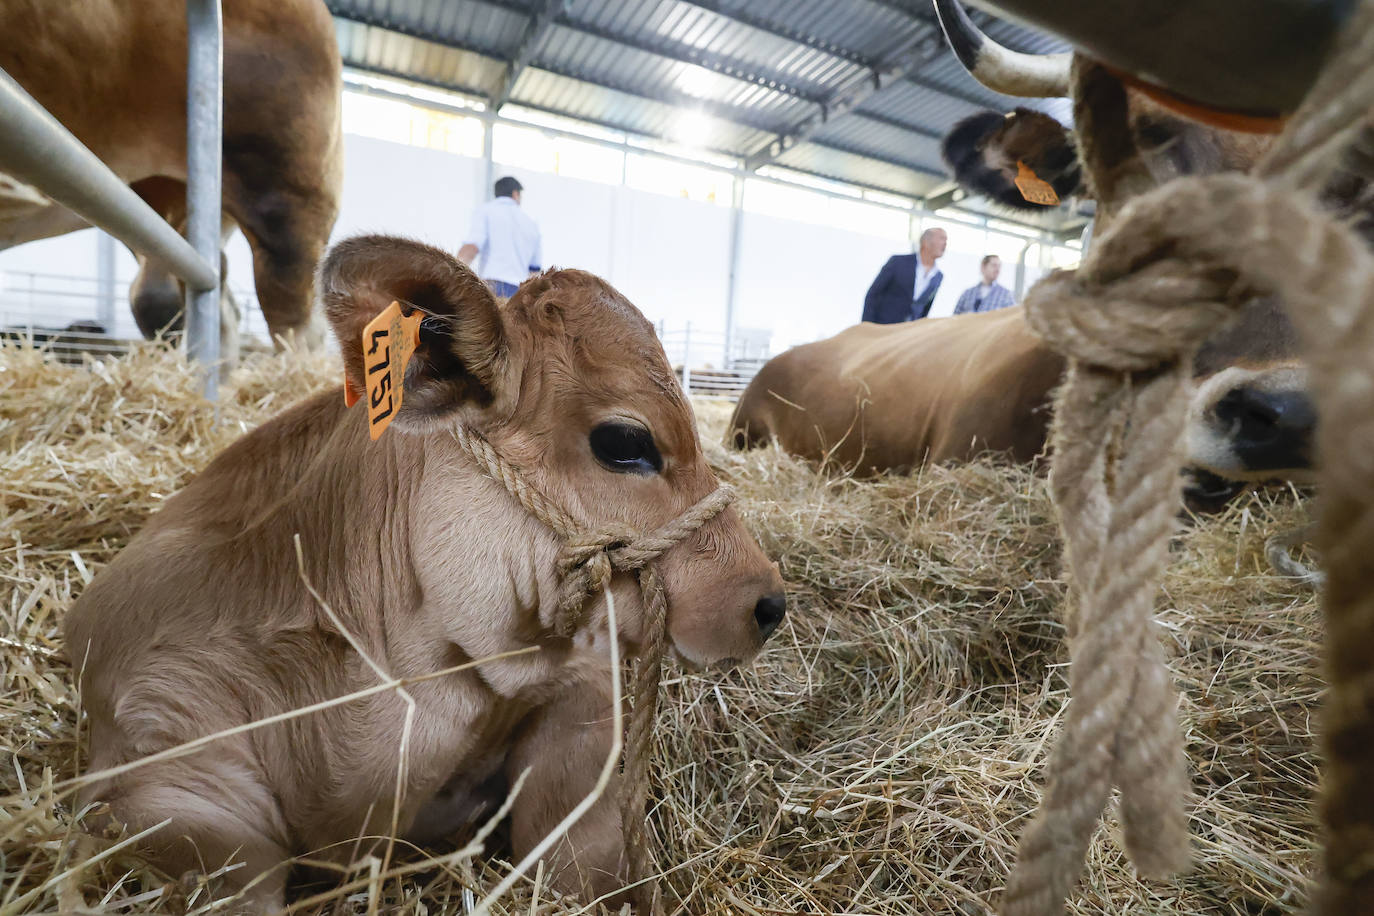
769 612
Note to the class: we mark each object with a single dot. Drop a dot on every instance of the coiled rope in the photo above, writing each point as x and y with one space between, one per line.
1175 264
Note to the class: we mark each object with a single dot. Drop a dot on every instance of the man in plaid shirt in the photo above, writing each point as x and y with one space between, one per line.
987 296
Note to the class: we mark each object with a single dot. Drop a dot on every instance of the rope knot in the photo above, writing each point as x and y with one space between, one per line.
1161 281
585 565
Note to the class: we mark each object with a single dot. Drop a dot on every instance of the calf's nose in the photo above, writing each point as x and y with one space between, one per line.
769 612
1269 429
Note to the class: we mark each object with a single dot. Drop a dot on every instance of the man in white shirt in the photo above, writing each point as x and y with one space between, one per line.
506 238
987 296
906 286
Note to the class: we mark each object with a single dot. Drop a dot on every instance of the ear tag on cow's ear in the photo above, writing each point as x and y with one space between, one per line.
1034 188
389 340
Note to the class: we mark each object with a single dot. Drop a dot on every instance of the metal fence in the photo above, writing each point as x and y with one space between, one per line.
37 150
699 358
74 314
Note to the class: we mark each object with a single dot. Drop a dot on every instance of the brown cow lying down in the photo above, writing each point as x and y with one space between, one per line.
882 397
203 623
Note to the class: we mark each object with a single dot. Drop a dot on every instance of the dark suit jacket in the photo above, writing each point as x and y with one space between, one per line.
889 298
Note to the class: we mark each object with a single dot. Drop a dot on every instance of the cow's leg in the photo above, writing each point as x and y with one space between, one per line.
157 297
220 814
565 747
288 233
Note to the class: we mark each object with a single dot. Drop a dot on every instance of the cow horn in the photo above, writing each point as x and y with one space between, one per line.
1000 68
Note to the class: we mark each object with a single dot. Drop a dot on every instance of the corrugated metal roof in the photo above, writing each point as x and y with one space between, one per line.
743 72
381 51
546 91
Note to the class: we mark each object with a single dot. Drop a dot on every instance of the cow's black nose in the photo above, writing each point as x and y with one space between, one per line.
769 612
1269 429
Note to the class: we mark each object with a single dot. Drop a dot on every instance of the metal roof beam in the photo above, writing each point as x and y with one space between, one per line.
959 94
687 54
736 12
720 110
898 124
943 197
540 24
446 41
845 100
918 10
403 77
866 154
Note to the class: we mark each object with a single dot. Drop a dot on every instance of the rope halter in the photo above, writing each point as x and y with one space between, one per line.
586 563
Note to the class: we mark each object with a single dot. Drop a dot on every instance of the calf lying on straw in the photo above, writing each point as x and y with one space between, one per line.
457 572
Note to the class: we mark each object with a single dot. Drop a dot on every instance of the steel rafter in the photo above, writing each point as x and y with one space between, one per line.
540 24
447 41
736 13
681 52
922 50
725 112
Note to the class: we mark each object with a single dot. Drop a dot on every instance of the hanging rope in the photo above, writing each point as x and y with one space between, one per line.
1174 265
585 565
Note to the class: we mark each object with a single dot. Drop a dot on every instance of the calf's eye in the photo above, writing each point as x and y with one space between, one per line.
626 448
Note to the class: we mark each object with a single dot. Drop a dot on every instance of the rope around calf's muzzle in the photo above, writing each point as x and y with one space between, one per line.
586 563
1175 265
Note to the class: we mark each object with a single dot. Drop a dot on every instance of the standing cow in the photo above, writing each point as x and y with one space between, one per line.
114 73
203 622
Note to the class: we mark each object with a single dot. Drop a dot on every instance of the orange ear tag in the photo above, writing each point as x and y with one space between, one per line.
1034 188
389 340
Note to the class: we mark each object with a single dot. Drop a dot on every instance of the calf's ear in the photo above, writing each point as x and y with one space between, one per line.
463 357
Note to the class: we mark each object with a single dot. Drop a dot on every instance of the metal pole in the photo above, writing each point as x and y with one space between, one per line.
37 150
687 360
204 149
736 242
105 281
489 172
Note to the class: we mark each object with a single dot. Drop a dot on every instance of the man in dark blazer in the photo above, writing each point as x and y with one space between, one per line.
907 284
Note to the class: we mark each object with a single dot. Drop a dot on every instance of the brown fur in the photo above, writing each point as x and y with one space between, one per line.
890 397
114 74
880 397
202 622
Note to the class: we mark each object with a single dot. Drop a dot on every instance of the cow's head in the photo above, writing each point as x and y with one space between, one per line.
1251 417
570 384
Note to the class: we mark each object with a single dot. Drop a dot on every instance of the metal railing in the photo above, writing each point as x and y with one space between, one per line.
37 150
699 358
39 304
60 312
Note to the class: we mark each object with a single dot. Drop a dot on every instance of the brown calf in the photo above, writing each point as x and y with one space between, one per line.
203 622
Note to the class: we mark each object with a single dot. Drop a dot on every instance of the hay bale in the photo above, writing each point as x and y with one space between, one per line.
881 755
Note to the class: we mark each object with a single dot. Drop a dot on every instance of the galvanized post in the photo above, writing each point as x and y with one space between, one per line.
204 148
687 360
105 281
37 150
736 242
489 170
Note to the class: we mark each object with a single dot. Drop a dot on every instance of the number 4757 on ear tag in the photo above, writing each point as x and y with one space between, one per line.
389 340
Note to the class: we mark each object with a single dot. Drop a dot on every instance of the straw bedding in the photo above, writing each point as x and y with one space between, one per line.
881 756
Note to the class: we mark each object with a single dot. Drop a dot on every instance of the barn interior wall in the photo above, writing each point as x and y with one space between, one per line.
669 255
